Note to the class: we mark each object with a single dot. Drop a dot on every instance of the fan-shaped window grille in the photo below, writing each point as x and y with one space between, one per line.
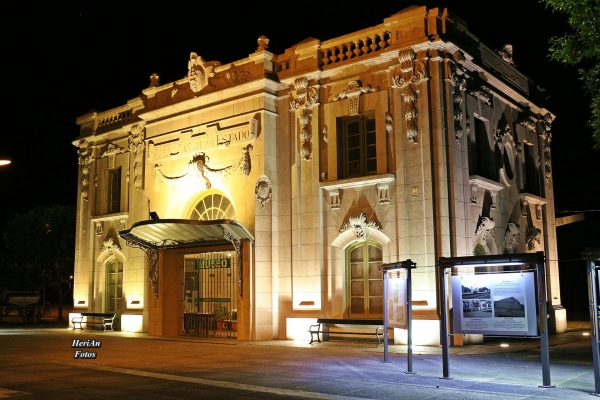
213 206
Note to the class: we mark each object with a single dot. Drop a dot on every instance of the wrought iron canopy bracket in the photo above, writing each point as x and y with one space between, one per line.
152 254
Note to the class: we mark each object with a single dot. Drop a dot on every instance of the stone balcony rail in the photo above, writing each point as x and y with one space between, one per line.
368 41
112 120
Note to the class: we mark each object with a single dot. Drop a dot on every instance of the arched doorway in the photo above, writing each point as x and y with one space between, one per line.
210 284
364 281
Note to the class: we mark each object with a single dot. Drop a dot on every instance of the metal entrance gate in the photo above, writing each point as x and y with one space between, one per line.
210 294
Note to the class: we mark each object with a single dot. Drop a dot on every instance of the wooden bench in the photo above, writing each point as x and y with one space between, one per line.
324 324
106 320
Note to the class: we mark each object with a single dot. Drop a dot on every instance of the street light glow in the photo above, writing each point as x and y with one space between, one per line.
4 162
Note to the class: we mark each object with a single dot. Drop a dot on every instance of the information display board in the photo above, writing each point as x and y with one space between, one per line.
500 304
396 297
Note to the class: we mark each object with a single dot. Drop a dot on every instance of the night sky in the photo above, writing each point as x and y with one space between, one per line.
62 59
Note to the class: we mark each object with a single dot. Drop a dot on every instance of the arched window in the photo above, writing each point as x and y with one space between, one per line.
114 285
364 280
213 206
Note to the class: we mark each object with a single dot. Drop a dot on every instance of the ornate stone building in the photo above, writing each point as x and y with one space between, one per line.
266 192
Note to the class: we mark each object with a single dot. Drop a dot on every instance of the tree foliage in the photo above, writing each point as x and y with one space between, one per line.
581 46
41 246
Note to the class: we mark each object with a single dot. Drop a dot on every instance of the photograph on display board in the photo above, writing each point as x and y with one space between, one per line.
513 306
397 301
493 303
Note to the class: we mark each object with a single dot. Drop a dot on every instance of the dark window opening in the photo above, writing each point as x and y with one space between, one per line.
114 190
357 146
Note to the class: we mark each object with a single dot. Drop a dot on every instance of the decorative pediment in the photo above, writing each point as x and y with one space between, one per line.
359 224
411 71
304 95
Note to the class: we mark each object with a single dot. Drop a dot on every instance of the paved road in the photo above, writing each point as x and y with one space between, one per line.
39 364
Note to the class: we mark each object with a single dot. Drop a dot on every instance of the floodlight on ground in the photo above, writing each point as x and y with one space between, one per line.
4 162
504 345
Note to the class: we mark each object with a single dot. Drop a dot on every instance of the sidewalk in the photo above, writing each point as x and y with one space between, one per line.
340 369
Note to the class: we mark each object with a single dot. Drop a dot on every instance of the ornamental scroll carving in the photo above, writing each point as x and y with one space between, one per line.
198 168
458 79
358 222
512 239
136 147
484 241
411 71
85 158
305 96
353 92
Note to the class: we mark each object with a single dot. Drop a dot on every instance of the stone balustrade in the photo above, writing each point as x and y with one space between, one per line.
341 49
112 120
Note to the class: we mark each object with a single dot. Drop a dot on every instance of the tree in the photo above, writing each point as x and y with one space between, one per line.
42 248
581 46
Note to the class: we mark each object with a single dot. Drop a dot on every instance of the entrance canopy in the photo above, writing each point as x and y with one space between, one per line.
180 233
156 234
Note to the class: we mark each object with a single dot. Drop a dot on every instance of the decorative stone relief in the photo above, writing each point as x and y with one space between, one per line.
198 168
458 75
305 135
230 77
482 95
263 43
506 143
352 93
411 71
136 147
484 242
199 71
99 230
538 211
512 238
176 88
383 194
154 80
546 123
111 248
111 151
305 96
334 199
360 225
534 239
85 158
507 54
411 114
262 190
529 123
389 122
458 116
325 137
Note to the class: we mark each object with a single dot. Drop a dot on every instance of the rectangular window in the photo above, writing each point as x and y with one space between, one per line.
114 286
114 190
357 146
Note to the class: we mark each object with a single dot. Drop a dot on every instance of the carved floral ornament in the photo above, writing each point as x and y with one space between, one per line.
304 96
136 147
199 71
305 135
85 158
358 222
411 114
263 191
198 168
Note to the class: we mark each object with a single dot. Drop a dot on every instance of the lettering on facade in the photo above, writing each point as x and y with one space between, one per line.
210 263
202 138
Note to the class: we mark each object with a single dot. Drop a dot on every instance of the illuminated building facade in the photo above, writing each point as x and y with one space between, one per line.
268 191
